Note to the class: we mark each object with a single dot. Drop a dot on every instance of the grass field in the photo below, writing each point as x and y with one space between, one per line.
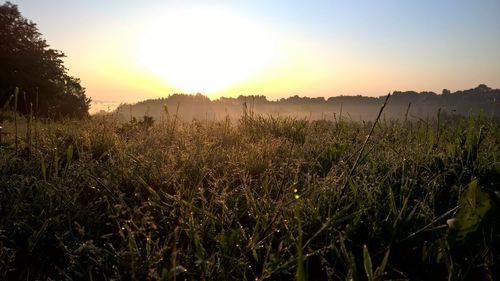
259 198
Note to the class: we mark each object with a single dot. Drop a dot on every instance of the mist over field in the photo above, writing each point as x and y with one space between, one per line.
103 107
408 105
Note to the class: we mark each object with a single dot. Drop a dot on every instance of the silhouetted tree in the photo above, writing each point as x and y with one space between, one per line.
27 62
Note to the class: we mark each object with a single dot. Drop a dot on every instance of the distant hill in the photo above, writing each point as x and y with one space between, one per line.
409 104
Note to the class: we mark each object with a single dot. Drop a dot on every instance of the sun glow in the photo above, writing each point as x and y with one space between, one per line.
206 51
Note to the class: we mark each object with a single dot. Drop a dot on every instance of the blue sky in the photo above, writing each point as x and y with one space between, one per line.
368 47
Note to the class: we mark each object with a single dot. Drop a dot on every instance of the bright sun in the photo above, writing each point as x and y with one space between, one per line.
205 50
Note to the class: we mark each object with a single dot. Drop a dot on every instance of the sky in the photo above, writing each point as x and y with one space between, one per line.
128 51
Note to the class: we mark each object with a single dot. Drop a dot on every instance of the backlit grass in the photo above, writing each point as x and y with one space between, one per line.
251 199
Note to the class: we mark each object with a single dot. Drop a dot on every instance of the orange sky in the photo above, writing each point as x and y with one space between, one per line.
130 51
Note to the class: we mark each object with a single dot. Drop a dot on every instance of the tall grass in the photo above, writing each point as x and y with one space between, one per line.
265 198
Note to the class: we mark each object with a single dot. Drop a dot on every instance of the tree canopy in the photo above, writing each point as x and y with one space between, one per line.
28 62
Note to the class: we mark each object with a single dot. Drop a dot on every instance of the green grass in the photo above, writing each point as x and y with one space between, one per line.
263 198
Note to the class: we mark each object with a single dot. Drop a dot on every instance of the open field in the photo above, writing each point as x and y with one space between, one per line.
261 198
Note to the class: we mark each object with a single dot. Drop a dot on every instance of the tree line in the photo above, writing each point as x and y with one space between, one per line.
408 104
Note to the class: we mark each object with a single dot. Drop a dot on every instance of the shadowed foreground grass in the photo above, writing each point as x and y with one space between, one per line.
261 198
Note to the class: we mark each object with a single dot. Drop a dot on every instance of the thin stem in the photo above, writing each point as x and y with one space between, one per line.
356 162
